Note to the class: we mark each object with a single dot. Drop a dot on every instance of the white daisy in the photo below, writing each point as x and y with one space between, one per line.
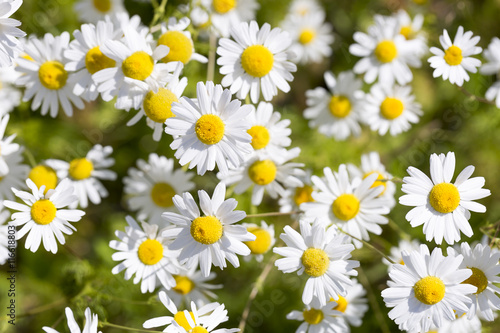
460 325
10 96
295 196
6 234
151 187
353 306
492 67
336 112
441 206
211 130
145 253
304 7
91 322
199 322
43 175
209 239
427 289
42 215
6 145
16 177
95 10
403 245
263 242
317 318
225 14
411 29
85 174
257 59
455 61
322 255
10 46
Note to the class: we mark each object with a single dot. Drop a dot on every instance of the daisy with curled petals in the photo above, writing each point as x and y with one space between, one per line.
353 306
6 145
492 67
205 323
45 77
6 234
322 254
18 172
225 14
10 46
85 174
257 59
441 206
95 10
455 61
263 242
318 318
91 322
151 187
42 217
145 253
427 290
209 239
336 111
211 130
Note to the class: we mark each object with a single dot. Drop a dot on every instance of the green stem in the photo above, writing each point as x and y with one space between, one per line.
477 98
105 323
42 308
211 56
369 245
159 11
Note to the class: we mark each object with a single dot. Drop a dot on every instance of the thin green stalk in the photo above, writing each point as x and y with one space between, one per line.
211 56
369 245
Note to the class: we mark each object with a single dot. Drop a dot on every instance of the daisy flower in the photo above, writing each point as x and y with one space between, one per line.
257 59
455 61
43 175
403 245
151 187
411 29
209 239
225 14
10 46
96 10
318 318
42 216
427 289
492 67
5 235
145 253
45 77
336 112
10 96
263 242
6 145
85 174
304 7
391 109
460 325
200 322
295 196
91 321
322 254
16 177
441 206
353 306
210 130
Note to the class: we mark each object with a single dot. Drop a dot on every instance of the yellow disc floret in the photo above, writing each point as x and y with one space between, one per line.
315 261
429 290
103 6
386 51
340 106
444 197
138 66
158 106
43 211
52 75
223 6
303 194
477 279
80 168
379 181
306 36
199 329
262 243
209 129
406 31
345 207
162 194
95 60
183 285
150 252
260 136
262 172
43 175
206 230
313 316
181 46
257 60
341 304
453 56
180 318
391 108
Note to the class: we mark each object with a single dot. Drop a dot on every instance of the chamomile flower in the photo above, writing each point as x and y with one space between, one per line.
441 206
225 14
391 109
18 172
91 321
318 318
42 216
10 46
95 10
353 306
143 252
210 130
85 174
6 145
44 175
295 196
427 289
461 325
209 239
492 67
257 59
323 255
455 61
204 322
304 7
45 77
10 96
263 242
411 29
403 245
336 112
151 187
4 235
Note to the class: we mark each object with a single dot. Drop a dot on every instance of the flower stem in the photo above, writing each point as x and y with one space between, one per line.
477 98
369 245
105 323
42 308
159 11
211 56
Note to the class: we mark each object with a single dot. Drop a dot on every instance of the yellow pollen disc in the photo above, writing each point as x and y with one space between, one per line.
209 129
306 36
150 252
257 60
181 46
260 136
313 316
43 175
262 172
80 168
199 329
339 106
406 31
183 285
262 243
95 60
223 6
138 66
453 56
477 279
429 290
52 75
444 197
43 211
378 181
303 194
386 51
341 303
401 262
181 319
158 106
206 230
162 194
103 6
391 108
315 261
345 207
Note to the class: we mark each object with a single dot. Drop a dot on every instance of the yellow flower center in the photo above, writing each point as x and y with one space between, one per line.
80 168
95 60
257 60
158 106
43 211
43 175
181 319
150 252
260 136
444 197
209 129
306 36
315 261
262 243
52 75
313 316
223 6
206 230
339 106
429 290
453 56
138 66
391 108
406 31
345 207
379 181
199 329
162 194
262 172
103 6
183 285
181 46
341 304
386 51
477 279
303 194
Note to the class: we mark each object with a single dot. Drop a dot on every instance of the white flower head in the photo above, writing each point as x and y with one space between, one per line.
319 318
10 95
10 46
5 236
6 145
16 178
295 196
91 322
411 29
353 306
403 245
264 240
203 321
492 67
225 14
95 10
